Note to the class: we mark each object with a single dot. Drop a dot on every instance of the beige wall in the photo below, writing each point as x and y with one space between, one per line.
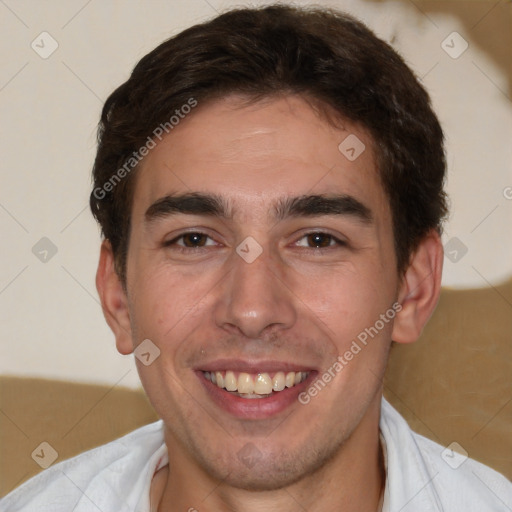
51 320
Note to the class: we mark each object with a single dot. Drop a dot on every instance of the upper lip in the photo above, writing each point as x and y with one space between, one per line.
241 365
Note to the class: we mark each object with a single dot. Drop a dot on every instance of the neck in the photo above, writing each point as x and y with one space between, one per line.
352 481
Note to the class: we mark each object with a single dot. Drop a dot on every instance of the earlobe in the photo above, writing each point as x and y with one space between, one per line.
113 298
419 290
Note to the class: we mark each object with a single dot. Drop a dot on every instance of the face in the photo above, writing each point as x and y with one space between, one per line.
258 254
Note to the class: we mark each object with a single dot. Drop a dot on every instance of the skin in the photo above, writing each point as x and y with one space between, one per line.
296 302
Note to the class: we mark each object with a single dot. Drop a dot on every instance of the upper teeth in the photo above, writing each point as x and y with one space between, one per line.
259 383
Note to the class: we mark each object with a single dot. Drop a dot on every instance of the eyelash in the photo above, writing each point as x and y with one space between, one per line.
173 242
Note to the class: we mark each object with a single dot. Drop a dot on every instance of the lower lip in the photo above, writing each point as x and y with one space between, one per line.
254 408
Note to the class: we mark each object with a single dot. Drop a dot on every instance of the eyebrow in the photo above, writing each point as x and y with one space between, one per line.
316 205
213 205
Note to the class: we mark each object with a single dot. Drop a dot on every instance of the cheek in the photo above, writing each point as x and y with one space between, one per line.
170 305
349 301
160 299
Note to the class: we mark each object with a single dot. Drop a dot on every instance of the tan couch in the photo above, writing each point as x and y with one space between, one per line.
454 384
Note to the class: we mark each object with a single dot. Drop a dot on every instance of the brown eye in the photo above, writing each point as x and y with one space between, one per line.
319 240
194 239
191 240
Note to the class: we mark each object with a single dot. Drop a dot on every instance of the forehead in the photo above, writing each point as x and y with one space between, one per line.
255 154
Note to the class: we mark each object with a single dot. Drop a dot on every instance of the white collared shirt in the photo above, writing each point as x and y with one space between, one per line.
116 477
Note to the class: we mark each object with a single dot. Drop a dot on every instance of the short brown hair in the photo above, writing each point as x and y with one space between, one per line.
322 54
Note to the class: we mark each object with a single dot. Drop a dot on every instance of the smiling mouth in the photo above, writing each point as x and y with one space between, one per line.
255 385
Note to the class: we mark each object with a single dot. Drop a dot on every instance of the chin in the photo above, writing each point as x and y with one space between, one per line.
270 472
261 480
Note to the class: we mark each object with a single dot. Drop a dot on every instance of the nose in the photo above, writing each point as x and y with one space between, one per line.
254 299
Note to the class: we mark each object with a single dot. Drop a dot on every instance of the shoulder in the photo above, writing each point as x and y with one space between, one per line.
463 482
425 476
80 483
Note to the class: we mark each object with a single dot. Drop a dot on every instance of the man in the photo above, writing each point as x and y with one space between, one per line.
270 187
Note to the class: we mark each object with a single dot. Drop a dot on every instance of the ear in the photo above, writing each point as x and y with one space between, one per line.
114 301
419 289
